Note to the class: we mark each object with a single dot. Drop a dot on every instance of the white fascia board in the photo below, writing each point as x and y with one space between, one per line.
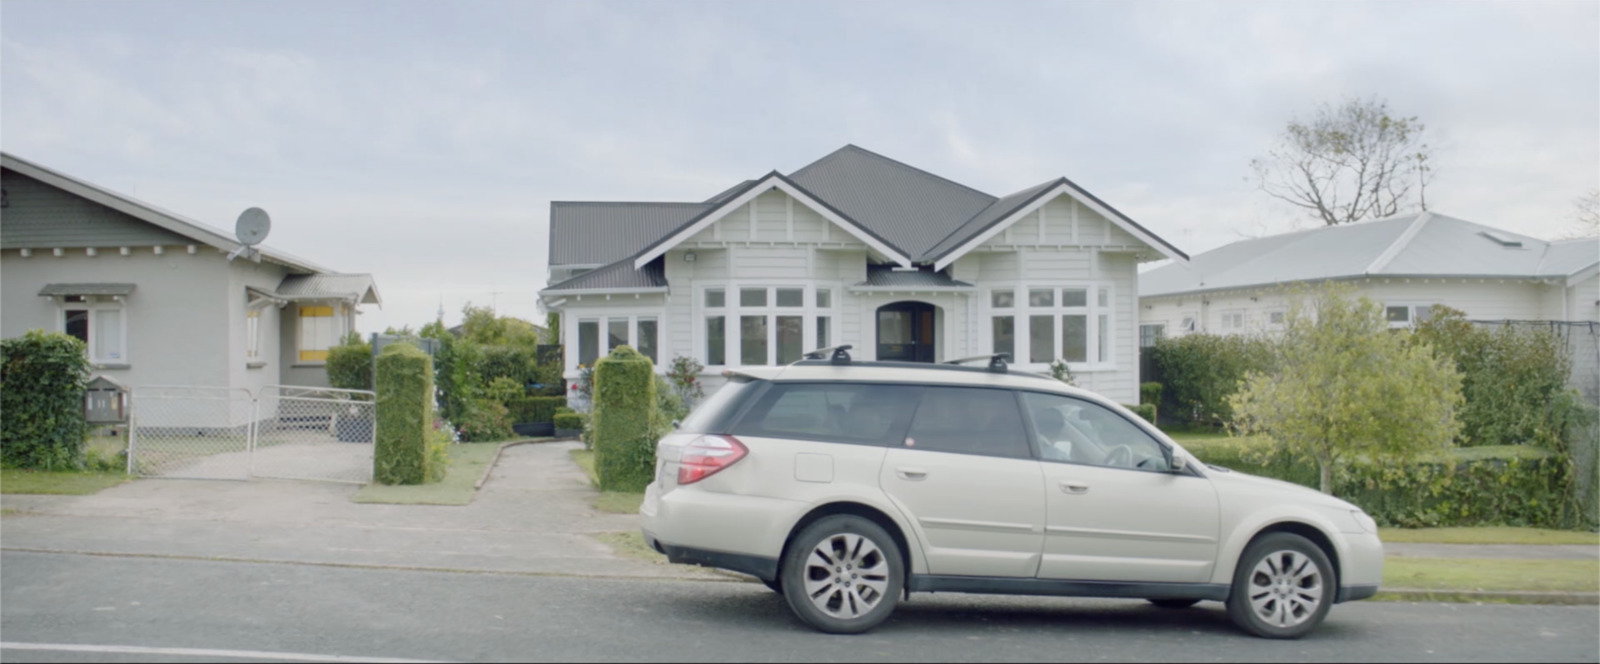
1040 202
1384 259
912 289
767 184
605 291
1585 273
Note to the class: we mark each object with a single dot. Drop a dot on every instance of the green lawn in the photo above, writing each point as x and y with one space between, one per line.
13 480
1496 574
1487 535
613 502
467 461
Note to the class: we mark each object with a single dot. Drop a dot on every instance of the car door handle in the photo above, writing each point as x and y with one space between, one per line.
1074 488
913 474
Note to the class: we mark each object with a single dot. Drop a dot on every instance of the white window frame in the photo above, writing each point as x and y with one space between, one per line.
341 327
1022 312
1188 322
1411 307
1160 333
1223 320
1283 318
731 311
603 319
95 304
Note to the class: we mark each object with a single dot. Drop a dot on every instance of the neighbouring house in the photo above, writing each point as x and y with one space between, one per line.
859 249
155 295
1409 264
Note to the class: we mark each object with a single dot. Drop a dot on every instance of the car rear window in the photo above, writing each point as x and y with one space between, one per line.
713 414
851 413
968 420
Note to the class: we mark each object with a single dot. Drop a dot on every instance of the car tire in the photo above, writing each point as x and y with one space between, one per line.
842 574
1282 587
775 585
1174 603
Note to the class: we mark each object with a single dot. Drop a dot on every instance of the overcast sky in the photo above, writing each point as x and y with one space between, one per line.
424 141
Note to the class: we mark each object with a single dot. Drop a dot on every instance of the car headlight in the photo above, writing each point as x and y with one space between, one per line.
1364 521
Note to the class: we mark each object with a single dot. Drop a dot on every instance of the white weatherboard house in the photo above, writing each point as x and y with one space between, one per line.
1409 264
859 249
154 295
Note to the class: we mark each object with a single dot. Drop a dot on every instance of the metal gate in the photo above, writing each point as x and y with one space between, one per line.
288 432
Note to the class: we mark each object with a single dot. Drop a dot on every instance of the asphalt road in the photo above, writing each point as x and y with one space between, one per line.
199 610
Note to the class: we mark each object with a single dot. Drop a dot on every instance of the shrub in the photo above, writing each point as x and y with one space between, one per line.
349 364
535 409
1060 371
485 421
625 415
568 420
515 363
1150 393
1144 410
504 390
404 378
1200 371
42 385
1512 380
684 377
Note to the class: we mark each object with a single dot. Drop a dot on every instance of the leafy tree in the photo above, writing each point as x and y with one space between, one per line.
1346 386
1351 162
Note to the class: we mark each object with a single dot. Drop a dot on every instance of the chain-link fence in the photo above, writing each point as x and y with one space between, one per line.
220 433
1583 347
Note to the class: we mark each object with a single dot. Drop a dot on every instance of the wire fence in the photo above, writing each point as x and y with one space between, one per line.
229 434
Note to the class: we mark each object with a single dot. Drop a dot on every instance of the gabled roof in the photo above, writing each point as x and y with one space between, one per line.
198 232
1426 244
329 286
616 277
601 233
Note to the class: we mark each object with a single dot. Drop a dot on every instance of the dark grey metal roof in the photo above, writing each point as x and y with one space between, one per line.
885 276
602 233
990 216
618 276
909 208
728 193
86 289
359 287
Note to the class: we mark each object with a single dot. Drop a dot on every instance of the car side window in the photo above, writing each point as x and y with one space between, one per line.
969 421
853 413
1077 431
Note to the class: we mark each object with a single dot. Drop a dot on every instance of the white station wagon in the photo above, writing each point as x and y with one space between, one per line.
846 486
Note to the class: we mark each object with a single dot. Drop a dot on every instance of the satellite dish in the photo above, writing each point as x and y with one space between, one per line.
252 227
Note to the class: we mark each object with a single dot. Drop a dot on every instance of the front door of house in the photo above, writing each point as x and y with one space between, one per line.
906 332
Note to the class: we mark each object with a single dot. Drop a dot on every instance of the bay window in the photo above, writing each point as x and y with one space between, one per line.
771 325
640 332
1072 323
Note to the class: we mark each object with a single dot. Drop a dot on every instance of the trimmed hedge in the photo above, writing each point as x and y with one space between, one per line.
404 377
1507 485
349 364
42 381
568 420
624 410
1199 372
1144 410
534 409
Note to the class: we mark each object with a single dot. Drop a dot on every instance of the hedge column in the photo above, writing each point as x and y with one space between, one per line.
44 375
404 378
624 402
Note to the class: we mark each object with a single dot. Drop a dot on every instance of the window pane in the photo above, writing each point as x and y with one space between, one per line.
894 327
1104 295
1075 338
317 332
791 297
108 334
78 324
647 339
1424 313
824 298
1276 317
588 342
1398 314
1074 297
616 333
1041 338
752 297
1105 338
790 339
252 333
966 420
823 322
1041 297
1074 431
715 298
716 341
853 414
1005 339
752 340
1150 334
1002 299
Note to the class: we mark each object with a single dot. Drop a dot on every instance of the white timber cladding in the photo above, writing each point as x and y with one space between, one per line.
779 219
1067 221
1479 299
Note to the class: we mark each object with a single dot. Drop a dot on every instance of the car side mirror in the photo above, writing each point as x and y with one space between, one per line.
1178 463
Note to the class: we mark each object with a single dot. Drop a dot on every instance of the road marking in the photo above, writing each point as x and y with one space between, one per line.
209 653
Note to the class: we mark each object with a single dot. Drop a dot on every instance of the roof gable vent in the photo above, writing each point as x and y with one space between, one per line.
1502 239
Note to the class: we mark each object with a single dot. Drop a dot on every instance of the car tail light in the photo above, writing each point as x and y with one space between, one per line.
706 455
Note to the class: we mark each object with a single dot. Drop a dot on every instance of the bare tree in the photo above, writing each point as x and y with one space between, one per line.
1351 162
1585 215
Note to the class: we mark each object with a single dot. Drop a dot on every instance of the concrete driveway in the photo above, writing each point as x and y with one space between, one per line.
532 516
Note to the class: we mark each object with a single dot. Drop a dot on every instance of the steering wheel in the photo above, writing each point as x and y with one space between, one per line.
1120 455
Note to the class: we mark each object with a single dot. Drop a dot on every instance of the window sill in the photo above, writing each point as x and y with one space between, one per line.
112 366
255 365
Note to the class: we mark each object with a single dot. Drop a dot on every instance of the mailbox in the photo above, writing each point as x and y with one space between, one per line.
105 402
